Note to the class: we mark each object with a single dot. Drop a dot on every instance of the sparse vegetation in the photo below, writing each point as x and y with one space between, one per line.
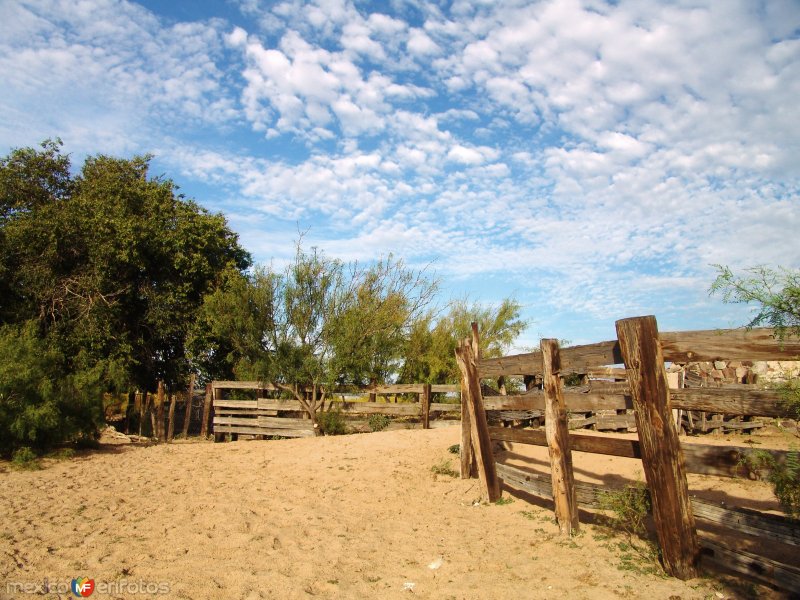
784 477
444 467
26 459
626 511
378 422
332 422
454 449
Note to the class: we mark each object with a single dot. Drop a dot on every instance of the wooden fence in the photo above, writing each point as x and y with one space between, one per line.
666 460
267 415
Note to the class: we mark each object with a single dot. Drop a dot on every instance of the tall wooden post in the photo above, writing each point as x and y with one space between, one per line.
557 433
160 412
207 410
425 400
479 429
188 414
662 458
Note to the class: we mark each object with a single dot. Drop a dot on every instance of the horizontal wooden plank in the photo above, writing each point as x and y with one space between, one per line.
727 344
764 570
242 385
382 408
764 525
269 404
241 404
236 421
264 431
283 423
575 359
575 401
702 459
397 388
731 401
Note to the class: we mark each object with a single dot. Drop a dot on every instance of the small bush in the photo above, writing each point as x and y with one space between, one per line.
443 468
785 478
629 508
454 449
62 454
25 458
332 422
379 422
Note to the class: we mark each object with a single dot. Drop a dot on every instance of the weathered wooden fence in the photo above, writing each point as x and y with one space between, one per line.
267 415
665 460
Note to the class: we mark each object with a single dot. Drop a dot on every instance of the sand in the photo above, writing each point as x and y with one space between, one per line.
358 516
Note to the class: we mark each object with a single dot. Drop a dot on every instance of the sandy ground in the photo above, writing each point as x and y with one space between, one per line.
359 516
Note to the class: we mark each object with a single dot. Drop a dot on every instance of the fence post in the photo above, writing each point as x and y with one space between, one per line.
207 410
160 412
142 411
188 415
425 399
173 400
557 433
479 429
662 459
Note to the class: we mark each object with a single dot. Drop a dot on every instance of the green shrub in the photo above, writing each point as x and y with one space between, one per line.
379 422
331 422
25 458
629 508
454 449
785 478
443 468
41 402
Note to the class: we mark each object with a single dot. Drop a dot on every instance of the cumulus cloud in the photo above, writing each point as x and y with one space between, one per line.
607 151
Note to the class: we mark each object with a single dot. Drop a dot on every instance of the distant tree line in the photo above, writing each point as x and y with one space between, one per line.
110 280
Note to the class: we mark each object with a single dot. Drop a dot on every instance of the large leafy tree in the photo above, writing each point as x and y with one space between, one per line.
109 266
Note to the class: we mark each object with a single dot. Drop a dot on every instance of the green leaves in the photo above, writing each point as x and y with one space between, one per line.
775 291
111 266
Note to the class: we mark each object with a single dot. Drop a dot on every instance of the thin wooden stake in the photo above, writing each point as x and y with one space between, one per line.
188 415
207 410
173 400
662 458
468 468
160 412
557 433
481 442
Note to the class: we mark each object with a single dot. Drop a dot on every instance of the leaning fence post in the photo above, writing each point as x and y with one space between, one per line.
662 458
481 442
557 433
207 410
173 399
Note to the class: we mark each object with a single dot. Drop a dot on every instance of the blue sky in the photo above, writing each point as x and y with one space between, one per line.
591 158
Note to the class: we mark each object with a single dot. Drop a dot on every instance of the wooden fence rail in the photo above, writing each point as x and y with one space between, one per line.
285 418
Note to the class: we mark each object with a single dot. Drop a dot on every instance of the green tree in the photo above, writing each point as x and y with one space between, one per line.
315 325
775 291
111 265
429 355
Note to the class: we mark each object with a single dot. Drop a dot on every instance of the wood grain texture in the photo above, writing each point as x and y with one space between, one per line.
662 459
479 431
557 434
209 400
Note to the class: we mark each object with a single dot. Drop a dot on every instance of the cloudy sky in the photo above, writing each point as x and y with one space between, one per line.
590 158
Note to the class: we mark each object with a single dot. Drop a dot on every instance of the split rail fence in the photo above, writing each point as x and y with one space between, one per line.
665 460
267 415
